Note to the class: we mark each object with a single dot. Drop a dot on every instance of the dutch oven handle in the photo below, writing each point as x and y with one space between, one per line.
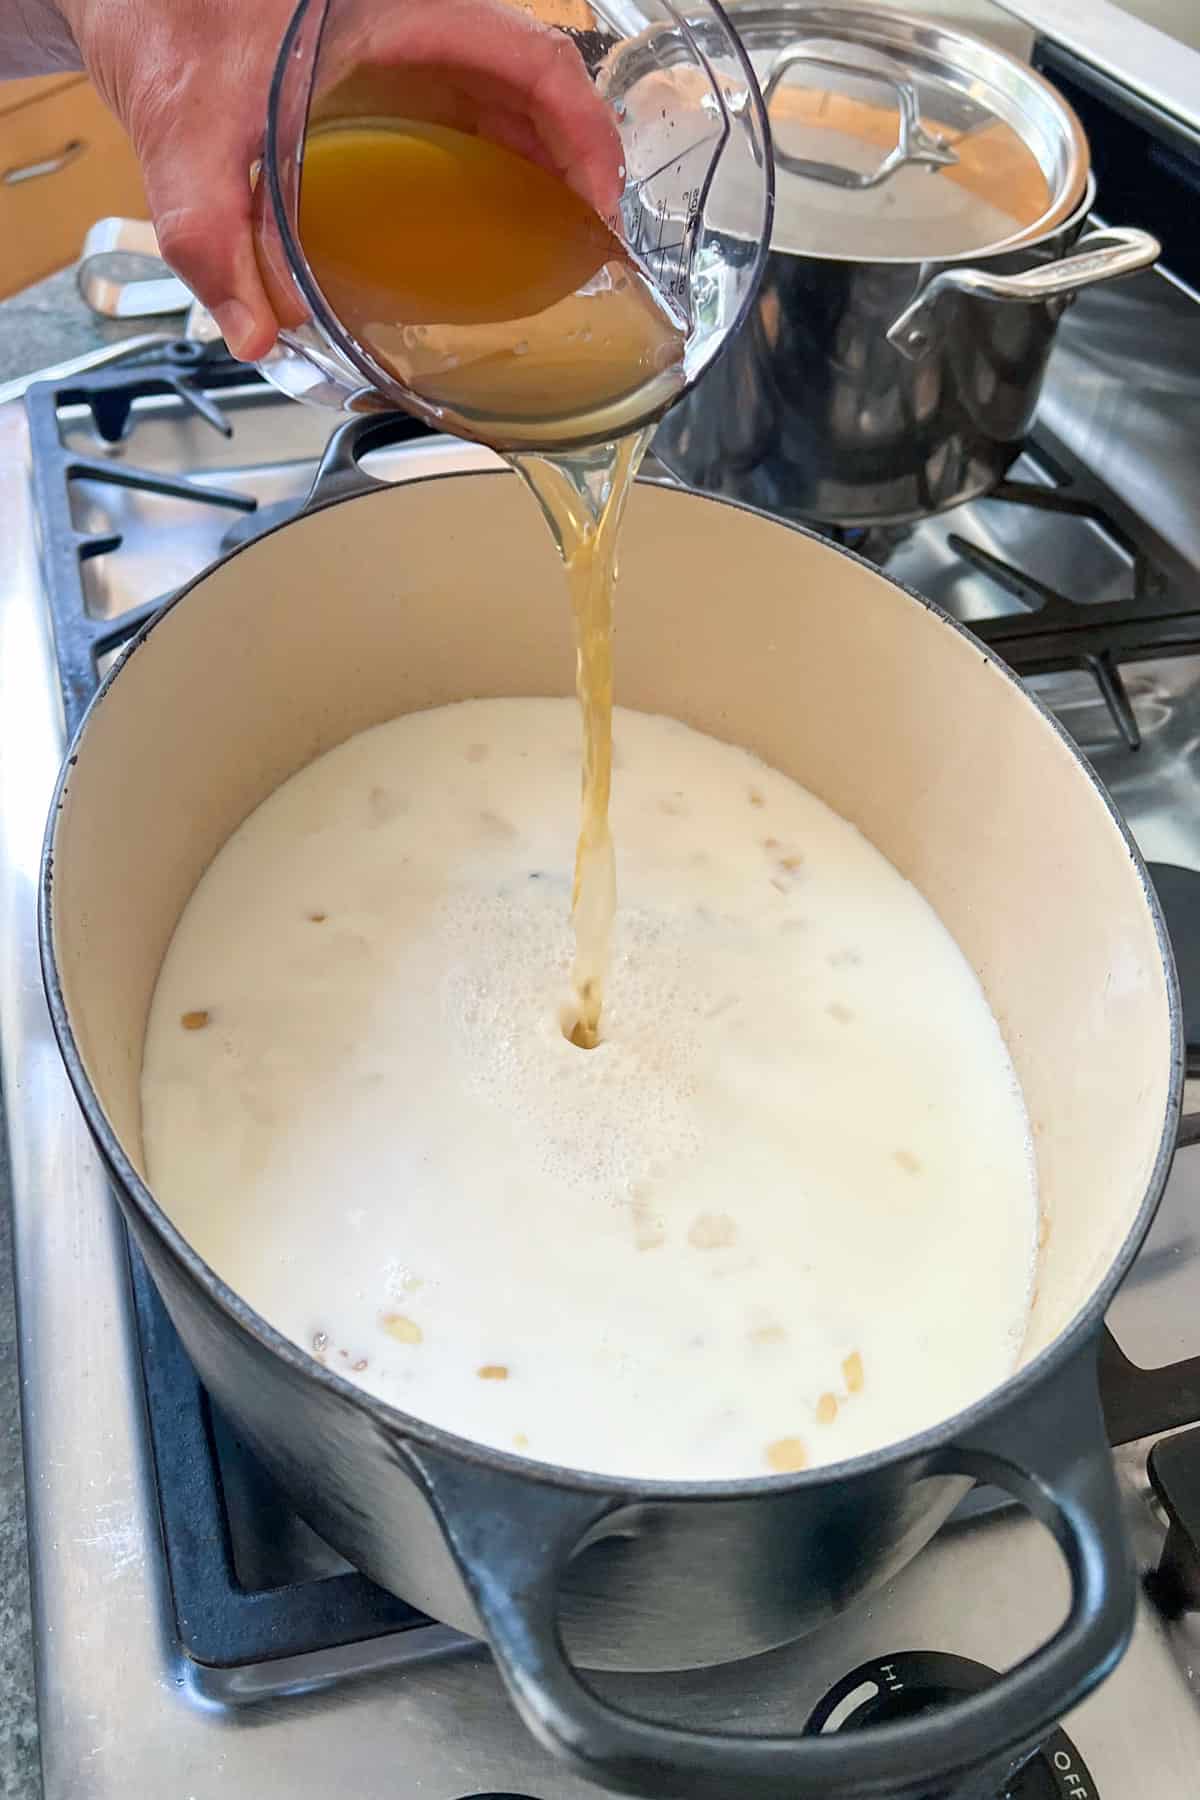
338 475
512 1537
1100 256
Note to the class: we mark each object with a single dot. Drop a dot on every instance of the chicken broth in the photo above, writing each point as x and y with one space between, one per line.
491 289
484 283
784 1212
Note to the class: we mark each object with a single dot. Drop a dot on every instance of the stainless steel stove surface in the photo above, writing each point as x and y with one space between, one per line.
225 1654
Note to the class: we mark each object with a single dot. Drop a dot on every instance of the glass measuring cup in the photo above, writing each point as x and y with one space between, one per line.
694 179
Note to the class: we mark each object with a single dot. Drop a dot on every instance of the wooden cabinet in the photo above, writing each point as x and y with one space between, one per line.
575 14
17 93
64 163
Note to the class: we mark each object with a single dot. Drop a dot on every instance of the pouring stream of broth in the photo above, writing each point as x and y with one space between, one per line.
582 494
487 286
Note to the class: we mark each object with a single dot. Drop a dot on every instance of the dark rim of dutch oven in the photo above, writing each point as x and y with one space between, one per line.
398 1425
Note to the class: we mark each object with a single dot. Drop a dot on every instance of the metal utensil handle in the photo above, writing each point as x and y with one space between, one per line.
914 144
512 1539
122 296
1100 256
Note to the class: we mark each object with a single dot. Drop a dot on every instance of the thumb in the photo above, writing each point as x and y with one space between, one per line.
197 178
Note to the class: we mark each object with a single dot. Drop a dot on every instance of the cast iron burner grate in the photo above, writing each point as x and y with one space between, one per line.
188 373
250 1583
1058 633
183 372
1052 632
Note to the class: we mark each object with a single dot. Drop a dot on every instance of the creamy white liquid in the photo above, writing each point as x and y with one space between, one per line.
785 1211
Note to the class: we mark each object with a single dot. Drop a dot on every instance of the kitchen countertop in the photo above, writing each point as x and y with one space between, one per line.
49 323
20 1777
45 324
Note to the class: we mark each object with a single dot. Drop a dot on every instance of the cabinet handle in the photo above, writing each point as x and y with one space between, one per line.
45 165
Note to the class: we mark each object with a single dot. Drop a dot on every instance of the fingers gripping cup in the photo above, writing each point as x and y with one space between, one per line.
457 194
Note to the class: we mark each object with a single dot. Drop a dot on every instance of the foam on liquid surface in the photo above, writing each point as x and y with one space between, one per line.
784 1213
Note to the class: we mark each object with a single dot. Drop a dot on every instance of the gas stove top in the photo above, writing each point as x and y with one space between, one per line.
195 1641
193 1638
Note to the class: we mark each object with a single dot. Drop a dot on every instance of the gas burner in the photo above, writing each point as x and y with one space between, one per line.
904 1686
1054 631
1020 567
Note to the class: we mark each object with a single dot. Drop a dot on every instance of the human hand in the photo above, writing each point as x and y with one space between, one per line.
189 80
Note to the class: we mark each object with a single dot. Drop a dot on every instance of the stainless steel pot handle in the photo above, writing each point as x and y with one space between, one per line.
1100 256
512 1536
914 144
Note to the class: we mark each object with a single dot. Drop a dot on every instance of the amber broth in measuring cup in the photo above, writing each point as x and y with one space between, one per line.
486 285
483 282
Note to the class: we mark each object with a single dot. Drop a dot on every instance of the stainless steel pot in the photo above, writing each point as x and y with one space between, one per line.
416 596
892 363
